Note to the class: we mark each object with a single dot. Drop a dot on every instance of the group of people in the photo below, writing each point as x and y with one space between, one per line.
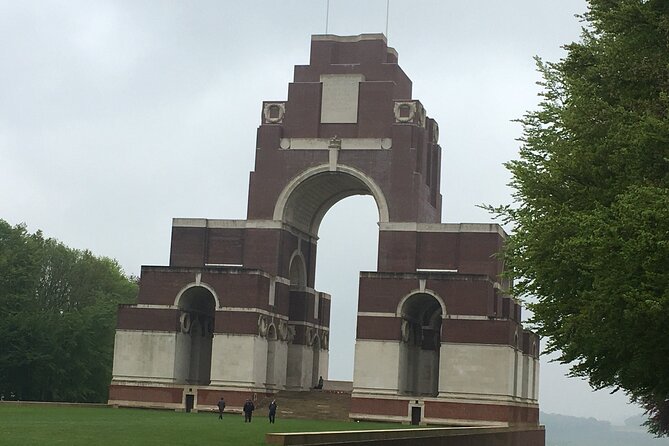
248 409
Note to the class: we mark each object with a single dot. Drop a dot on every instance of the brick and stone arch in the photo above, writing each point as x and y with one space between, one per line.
306 198
197 307
272 348
422 315
349 126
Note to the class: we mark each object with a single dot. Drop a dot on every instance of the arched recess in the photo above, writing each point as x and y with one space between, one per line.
272 340
197 308
402 304
298 271
297 315
316 358
177 300
306 199
422 315
297 299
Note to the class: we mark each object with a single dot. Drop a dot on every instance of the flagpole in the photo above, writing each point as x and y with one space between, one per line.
327 15
387 15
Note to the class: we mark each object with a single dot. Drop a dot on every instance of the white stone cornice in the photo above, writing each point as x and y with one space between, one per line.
346 144
467 317
252 310
490 228
375 314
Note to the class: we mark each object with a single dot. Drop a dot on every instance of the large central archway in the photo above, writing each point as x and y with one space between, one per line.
347 245
303 205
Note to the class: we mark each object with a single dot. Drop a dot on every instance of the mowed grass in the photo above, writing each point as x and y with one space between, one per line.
54 425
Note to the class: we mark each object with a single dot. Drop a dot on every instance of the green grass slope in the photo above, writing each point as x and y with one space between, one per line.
55 425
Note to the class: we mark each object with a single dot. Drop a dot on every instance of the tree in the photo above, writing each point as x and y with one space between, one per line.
590 244
58 318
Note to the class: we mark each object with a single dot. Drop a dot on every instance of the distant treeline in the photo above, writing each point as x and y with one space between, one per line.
562 430
57 318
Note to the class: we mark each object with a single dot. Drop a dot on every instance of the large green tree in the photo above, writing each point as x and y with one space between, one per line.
590 244
57 318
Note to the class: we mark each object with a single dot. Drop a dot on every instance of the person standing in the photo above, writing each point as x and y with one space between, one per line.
272 411
221 408
248 410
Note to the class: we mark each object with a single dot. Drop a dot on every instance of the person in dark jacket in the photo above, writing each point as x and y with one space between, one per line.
221 408
248 410
272 411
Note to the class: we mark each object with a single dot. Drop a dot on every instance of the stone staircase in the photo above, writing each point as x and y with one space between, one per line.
314 405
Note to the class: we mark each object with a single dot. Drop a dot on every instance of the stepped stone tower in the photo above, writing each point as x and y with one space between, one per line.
236 312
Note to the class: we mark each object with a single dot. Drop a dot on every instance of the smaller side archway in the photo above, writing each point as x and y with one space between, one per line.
422 314
197 309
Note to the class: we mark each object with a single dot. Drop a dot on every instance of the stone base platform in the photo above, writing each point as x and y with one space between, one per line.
451 436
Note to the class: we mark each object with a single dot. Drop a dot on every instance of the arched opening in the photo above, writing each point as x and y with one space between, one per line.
348 241
197 307
421 342
303 204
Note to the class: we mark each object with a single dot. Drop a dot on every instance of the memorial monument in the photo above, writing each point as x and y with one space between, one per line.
235 312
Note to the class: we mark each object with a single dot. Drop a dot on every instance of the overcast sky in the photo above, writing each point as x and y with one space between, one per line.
116 116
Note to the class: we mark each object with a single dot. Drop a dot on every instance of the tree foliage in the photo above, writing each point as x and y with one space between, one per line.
58 318
591 204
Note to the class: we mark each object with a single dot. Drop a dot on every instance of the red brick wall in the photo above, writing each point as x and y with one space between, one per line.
225 246
383 328
237 322
261 249
482 412
188 246
160 285
303 109
132 318
238 288
468 253
145 394
448 410
207 397
397 251
376 109
462 294
492 331
398 408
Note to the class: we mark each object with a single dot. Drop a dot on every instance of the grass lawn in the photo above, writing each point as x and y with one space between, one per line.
52 425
